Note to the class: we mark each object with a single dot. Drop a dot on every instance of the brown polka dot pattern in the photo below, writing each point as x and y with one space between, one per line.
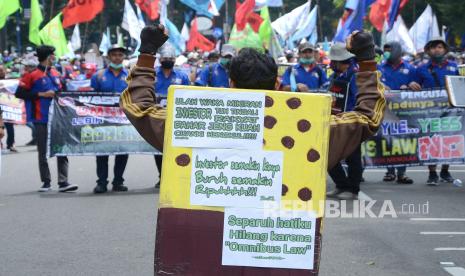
288 142
294 103
303 125
305 194
284 190
183 160
269 101
313 155
270 121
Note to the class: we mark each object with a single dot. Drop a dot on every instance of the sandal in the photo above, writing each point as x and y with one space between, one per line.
404 180
389 177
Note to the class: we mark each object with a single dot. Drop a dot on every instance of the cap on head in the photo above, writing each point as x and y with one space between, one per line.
435 41
306 46
44 51
116 47
167 51
227 50
338 52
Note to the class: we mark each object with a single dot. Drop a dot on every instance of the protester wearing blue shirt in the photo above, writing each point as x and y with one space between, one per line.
432 75
397 74
306 75
347 185
216 75
38 89
111 79
166 75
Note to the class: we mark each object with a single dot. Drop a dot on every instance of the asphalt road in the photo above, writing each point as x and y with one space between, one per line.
114 234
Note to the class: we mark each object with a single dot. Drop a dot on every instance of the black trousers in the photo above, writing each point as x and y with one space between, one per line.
62 162
118 169
349 182
10 135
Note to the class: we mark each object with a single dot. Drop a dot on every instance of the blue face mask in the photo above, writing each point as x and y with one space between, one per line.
306 61
116 66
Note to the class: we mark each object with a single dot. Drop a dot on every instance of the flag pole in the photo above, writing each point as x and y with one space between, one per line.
52 4
319 19
18 32
414 21
85 39
226 21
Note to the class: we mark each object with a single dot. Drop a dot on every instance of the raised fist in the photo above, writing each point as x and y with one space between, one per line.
152 38
362 45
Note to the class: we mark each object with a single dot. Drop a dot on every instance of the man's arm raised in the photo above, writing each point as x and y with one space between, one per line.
349 129
138 101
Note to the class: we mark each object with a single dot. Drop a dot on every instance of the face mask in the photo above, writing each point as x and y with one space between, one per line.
167 64
387 55
306 61
224 62
438 58
116 66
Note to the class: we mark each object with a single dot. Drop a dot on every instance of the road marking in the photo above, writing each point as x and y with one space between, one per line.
455 271
363 196
442 233
438 219
450 249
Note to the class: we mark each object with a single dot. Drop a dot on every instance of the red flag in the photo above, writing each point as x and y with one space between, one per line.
79 11
150 7
197 40
378 13
255 20
243 13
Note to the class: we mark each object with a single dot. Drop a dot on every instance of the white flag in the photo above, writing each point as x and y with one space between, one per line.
163 10
131 22
106 42
140 17
424 29
76 38
308 28
287 24
400 34
185 32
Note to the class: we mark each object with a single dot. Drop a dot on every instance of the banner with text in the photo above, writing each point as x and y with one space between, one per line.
12 107
214 119
253 238
236 177
419 128
92 123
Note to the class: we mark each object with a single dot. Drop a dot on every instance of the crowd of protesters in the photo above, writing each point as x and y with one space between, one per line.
308 68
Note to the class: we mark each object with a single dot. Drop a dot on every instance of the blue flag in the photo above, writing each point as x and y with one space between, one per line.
175 37
393 13
357 10
204 7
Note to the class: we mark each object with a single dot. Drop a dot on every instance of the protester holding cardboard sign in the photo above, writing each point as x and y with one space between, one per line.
347 130
254 71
